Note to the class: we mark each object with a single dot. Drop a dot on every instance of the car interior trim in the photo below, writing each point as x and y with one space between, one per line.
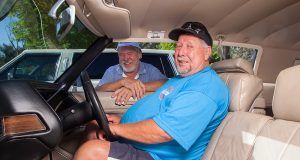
18 124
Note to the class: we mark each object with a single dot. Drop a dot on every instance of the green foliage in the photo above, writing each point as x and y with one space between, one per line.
28 29
246 53
214 55
150 45
24 29
167 46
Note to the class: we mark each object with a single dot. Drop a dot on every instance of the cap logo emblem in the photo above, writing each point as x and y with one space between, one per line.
190 27
195 30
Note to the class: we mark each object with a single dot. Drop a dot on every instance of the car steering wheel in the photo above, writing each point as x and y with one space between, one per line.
98 111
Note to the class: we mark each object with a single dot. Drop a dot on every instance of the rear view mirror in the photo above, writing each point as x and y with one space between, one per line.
65 22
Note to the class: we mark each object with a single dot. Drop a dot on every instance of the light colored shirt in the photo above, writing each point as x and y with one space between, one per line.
147 73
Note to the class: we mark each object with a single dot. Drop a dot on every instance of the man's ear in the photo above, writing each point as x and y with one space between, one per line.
207 53
140 55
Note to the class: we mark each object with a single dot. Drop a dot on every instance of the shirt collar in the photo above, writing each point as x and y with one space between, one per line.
136 76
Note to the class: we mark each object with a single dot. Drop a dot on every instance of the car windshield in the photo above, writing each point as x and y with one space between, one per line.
29 48
28 39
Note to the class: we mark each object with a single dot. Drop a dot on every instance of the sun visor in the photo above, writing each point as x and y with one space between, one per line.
102 18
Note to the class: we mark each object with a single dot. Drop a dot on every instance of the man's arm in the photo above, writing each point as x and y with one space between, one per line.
108 81
115 85
139 88
135 89
152 86
110 87
144 131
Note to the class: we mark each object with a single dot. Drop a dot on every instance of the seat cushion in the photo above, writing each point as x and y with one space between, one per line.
235 137
279 139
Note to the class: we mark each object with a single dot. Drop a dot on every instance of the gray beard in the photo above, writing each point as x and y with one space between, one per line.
131 69
183 71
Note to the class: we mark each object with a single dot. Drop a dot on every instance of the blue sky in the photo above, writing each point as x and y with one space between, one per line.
4 29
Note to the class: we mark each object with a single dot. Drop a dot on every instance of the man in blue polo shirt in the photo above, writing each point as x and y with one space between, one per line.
130 77
177 121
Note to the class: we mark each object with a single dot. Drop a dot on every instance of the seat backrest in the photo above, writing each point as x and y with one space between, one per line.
244 135
280 139
244 86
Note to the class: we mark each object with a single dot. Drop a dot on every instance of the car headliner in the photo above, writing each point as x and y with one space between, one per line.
269 23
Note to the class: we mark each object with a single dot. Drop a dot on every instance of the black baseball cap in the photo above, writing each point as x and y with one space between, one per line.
192 28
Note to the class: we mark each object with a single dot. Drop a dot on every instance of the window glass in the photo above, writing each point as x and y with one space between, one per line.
28 27
218 53
232 52
105 60
101 63
36 67
161 62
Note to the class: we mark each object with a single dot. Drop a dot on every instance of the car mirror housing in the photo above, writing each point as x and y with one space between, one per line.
65 22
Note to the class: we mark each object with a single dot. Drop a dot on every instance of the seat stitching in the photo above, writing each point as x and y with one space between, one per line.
288 142
220 135
258 133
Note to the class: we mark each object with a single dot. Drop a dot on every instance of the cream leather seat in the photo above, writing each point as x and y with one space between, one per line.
245 88
244 135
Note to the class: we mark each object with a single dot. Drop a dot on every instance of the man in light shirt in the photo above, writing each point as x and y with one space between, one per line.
131 77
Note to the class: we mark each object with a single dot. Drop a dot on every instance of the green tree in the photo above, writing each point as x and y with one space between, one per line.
214 55
33 28
167 46
246 53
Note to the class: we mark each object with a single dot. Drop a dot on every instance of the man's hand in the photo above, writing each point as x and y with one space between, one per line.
137 87
113 119
122 96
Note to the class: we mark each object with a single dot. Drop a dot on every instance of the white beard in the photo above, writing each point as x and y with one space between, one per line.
184 71
129 69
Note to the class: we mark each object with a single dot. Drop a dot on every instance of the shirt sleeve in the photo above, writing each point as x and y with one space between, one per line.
187 116
107 77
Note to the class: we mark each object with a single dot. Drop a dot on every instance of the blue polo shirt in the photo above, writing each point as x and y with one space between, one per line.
147 73
189 109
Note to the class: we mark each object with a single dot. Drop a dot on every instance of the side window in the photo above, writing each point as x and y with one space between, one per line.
101 63
161 62
97 68
231 52
35 67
